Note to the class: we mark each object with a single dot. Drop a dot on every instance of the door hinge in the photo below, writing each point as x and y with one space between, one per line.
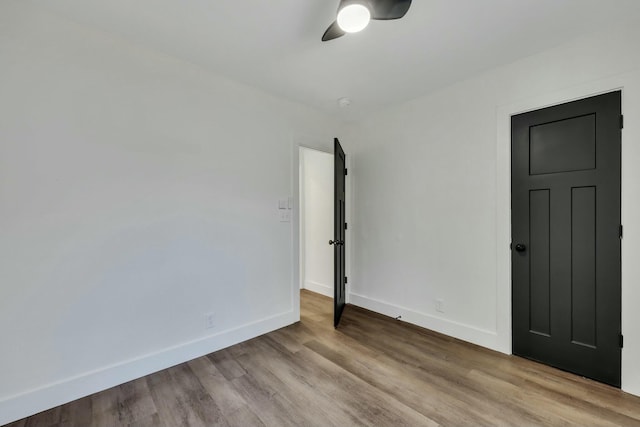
346 171
345 225
345 280
510 246
621 121
621 341
621 231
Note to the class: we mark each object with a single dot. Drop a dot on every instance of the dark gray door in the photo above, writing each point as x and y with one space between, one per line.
339 279
566 236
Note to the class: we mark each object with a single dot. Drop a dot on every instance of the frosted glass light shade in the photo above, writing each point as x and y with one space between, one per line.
353 18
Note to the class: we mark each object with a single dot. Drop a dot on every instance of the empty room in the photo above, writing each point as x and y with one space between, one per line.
319 213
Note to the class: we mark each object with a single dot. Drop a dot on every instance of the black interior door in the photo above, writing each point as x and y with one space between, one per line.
339 232
566 236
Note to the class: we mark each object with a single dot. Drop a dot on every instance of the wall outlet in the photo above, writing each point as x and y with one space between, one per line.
440 305
209 320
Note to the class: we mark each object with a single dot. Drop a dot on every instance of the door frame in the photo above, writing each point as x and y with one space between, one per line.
503 194
319 143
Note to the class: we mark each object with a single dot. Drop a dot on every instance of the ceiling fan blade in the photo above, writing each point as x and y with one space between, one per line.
333 32
389 9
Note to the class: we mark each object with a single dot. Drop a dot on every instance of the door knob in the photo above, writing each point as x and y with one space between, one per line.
520 247
337 242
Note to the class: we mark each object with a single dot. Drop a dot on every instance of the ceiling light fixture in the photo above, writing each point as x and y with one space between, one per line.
354 15
353 18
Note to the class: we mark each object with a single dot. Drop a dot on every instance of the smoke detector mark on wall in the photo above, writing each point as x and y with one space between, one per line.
344 102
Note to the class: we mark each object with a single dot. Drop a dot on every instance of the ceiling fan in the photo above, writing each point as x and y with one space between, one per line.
354 15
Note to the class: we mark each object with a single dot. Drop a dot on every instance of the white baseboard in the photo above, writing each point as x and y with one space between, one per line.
319 288
472 334
51 395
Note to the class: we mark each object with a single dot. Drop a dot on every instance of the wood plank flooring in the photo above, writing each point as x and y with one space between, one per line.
372 371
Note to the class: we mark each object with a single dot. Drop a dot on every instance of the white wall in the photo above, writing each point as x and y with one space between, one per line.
316 214
137 193
431 192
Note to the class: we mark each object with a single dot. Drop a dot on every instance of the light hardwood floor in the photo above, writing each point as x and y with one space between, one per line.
373 370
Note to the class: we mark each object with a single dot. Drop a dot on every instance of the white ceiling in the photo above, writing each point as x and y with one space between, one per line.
275 44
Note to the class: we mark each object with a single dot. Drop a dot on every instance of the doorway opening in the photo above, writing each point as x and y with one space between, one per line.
316 197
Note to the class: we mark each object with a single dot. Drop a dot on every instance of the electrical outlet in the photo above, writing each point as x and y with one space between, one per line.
440 305
209 320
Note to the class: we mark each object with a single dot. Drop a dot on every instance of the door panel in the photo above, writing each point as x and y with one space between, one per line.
539 273
565 229
339 237
583 266
564 145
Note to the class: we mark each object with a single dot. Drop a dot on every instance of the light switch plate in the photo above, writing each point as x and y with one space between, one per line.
285 216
